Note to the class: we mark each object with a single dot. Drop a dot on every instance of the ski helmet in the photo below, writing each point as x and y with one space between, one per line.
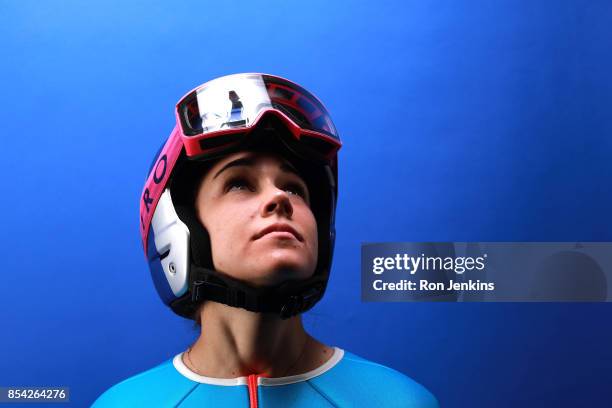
222 116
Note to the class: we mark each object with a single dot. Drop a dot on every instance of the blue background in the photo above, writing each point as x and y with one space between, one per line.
461 121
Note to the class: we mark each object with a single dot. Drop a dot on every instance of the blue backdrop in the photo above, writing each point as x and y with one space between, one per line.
473 121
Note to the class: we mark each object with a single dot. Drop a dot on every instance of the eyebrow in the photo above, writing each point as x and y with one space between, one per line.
250 161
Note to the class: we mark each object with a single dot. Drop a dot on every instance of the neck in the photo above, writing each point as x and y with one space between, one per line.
235 342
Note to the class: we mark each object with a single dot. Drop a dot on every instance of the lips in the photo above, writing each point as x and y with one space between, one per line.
279 228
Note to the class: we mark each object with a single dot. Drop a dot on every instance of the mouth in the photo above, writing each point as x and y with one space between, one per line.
281 229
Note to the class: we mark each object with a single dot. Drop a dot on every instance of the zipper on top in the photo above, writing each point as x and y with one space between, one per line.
252 384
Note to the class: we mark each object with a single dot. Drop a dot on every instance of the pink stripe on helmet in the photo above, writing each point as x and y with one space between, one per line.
157 180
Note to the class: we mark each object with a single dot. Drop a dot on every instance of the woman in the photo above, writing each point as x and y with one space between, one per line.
237 220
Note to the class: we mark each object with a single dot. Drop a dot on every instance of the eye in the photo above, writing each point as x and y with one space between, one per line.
296 189
237 184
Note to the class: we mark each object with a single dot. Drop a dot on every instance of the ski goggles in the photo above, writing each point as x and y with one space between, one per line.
221 113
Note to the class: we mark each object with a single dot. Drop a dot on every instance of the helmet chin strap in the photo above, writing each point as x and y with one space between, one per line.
287 299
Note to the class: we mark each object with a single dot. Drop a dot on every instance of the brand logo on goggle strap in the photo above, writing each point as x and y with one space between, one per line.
158 176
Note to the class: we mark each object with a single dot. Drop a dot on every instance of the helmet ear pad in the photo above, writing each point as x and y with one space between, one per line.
190 174
185 185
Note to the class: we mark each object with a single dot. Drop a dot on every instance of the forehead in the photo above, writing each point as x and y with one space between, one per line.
252 158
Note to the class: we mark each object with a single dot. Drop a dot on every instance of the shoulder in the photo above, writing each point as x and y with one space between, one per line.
355 378
159 385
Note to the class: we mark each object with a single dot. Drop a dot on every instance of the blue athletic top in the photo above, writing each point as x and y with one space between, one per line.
345 380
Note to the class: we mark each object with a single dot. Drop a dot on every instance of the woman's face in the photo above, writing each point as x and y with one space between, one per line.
256 210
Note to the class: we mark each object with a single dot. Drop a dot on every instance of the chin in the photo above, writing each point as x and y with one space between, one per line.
276 271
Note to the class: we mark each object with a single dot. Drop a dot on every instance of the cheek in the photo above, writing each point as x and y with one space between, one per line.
228 232
309 225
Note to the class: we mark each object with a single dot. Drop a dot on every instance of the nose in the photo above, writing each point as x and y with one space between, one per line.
277 203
